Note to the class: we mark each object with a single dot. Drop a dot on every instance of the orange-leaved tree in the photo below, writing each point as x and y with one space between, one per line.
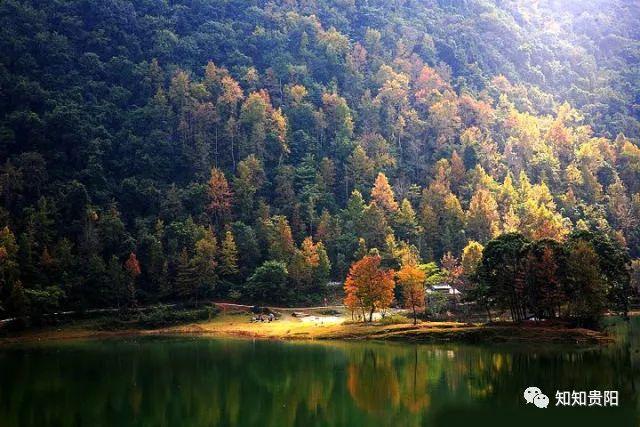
219 196
132 267
368 286
411 279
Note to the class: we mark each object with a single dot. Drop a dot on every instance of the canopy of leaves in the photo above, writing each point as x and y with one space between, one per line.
209 141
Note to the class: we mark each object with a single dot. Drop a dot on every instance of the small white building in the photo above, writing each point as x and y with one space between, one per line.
444 289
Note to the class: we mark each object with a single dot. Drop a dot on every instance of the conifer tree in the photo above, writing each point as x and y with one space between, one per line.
219 196
117 279
482 216
253 118
406 223
248 181
9 267
323 269
281 243
323 230
228 256
382 194
205 261
186 279
361 170
373 226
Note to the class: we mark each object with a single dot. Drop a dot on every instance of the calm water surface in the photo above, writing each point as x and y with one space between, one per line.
215 382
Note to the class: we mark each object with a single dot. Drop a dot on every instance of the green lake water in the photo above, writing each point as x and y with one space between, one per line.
195 381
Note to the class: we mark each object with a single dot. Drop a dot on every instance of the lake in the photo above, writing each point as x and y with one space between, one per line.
196 381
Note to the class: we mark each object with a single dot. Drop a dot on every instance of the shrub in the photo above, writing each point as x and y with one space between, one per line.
160 316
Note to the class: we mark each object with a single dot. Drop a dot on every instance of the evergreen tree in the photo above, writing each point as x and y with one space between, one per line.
117 280
186 278
281 243
247 183
9 267
268 284
228 256
586 290
219 196
373 226
249 251
205 261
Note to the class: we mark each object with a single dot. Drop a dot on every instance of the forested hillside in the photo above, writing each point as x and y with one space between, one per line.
252 150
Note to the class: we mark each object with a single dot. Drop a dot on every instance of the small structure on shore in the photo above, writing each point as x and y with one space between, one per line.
445 289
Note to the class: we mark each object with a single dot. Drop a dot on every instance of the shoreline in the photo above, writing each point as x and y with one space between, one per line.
239 326
428 332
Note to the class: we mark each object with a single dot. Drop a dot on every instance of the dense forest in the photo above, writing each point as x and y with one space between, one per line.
157 151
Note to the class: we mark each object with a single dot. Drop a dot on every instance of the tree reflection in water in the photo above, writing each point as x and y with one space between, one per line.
204 382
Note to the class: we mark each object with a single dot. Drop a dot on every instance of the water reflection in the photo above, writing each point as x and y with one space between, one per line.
202 382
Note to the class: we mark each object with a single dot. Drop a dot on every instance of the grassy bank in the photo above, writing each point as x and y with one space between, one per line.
314 325
423 332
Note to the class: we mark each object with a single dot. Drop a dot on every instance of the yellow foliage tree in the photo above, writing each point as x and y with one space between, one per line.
411 280
382 194
483 217
471 257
